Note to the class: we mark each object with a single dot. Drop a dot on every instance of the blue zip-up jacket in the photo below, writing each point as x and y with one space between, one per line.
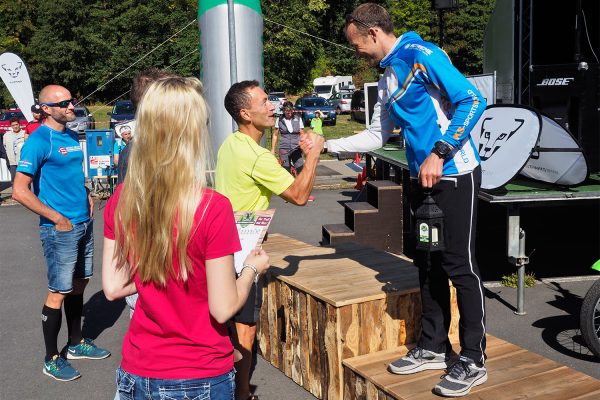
429 99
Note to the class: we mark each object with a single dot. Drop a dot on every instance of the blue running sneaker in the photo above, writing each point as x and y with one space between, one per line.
60 369
86 349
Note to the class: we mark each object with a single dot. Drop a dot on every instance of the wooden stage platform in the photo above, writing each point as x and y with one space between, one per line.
333 318
322 305
513 373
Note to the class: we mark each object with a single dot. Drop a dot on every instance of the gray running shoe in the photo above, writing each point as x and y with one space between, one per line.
418 360
461 377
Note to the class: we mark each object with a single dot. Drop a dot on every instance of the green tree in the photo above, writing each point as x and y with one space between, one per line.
463 34
83 44
289 55
17 25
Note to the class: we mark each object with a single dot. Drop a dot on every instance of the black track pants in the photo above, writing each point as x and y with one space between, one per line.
457 198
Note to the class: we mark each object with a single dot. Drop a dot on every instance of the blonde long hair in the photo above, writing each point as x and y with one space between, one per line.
166 178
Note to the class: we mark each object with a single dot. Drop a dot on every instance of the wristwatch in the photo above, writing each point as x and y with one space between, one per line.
441 149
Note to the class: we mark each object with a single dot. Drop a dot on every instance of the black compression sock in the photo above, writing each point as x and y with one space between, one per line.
73 311
51 320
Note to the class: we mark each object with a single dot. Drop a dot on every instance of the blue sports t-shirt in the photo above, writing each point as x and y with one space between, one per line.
118 146
54 159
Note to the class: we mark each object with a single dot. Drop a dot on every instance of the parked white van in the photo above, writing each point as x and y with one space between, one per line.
326 86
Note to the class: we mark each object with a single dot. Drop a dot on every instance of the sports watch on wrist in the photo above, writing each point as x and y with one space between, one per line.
441 149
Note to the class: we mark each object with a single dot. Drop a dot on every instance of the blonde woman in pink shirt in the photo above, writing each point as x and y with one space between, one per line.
171 239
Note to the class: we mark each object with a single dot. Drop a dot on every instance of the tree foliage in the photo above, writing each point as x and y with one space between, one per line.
90 46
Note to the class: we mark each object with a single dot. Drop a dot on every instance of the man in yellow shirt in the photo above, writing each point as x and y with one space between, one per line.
248 175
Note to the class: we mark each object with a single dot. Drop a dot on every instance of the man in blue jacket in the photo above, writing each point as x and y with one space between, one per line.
436 108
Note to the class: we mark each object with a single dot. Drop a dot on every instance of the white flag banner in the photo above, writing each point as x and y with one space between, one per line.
558 158
506 137
16 78
486 84
514 139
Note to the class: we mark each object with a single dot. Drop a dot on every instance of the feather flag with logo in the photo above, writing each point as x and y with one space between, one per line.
16 78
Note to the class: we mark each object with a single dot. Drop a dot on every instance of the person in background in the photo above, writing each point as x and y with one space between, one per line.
4 185
249 175
51 161
316 123
178 257
13 142
32 125
121 142
289 128
436 108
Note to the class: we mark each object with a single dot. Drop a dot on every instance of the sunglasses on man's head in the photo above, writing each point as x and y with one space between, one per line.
62 104
350 19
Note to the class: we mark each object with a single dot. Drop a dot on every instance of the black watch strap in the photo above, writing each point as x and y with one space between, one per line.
441 149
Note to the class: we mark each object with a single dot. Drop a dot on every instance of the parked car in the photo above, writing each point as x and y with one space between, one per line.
357 105
307 105
122 111
278 104
8 115
341 102
84 119
280 96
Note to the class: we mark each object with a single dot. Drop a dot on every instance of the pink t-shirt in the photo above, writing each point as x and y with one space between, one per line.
172 334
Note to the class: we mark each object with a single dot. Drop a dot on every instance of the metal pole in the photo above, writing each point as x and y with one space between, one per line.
516 253
521 276
519 71
232 50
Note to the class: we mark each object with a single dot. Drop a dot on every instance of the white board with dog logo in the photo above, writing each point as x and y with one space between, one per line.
505 138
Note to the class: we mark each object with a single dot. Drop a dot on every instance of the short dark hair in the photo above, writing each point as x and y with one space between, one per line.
371 15
14 119
144 79
238 97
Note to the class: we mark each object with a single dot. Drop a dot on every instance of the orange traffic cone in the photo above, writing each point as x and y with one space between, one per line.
357 159
359 182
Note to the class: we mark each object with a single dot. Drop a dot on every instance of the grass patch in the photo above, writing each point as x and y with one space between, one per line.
513 279
99 110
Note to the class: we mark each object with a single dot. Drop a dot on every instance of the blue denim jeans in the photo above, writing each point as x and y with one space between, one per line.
68 254
133 387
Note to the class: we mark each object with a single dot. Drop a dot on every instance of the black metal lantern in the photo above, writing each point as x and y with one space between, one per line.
429 225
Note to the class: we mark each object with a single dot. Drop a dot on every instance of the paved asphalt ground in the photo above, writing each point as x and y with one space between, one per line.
550 327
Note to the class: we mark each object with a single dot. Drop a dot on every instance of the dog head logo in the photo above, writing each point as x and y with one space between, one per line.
13 70
493 136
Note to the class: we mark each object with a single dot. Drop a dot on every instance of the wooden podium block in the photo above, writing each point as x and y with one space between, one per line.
513 373
324 305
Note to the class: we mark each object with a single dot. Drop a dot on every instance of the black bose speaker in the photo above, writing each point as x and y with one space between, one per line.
445 4
570 94
564 31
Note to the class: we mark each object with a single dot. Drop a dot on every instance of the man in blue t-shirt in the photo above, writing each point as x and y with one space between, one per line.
51 160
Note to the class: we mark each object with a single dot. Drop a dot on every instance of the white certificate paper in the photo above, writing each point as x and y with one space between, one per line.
252 227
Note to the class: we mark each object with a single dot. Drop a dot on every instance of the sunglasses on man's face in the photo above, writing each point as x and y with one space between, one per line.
62 104
350 19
